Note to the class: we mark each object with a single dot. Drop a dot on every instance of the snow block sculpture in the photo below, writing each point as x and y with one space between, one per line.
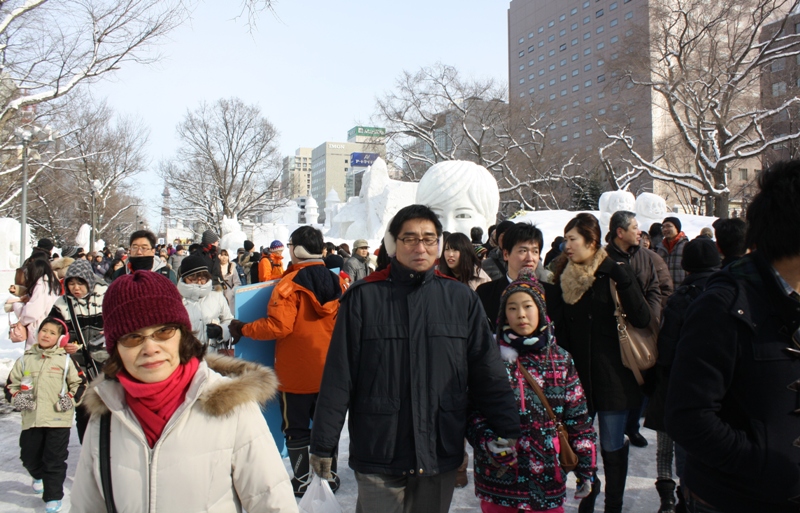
650 208
82 239
366 216
614 201
232 235
463 195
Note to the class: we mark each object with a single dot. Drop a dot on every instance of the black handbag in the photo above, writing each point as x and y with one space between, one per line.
105 461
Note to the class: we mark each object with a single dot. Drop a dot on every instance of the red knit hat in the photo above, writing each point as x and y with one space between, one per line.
138 300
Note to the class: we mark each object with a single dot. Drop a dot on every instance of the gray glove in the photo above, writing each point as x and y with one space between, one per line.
24 401
321 466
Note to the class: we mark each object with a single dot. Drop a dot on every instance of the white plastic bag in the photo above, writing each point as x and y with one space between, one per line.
319 498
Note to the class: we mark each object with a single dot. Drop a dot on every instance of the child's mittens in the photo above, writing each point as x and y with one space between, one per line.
584 488
64 403
503 452
24 401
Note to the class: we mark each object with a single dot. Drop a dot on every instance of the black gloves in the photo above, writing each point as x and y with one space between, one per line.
622 275
235 327
213 331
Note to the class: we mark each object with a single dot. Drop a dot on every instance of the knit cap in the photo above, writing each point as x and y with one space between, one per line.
138 300
194 264
81 269
526 282
45 244
209 237
673 220
248 245
69 251
276 245
699 255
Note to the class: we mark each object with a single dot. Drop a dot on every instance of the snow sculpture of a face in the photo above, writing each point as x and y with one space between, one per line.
230 225
614 201
650 208
463 195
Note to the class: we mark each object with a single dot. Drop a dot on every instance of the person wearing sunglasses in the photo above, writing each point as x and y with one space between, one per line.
734 396
184 429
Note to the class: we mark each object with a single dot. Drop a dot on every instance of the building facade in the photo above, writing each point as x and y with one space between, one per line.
296 174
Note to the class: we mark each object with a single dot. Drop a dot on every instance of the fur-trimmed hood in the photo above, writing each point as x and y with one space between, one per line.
221 384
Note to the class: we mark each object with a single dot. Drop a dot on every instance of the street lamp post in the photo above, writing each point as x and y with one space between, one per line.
96 186
26 137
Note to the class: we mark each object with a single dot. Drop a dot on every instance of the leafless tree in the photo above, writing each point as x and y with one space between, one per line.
704 64
227 164
435 114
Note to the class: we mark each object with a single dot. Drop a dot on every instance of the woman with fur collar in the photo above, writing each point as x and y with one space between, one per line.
582 308
186 431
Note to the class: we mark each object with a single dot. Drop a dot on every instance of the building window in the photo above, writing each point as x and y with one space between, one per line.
614 56
588 51
628 33
564 138
588 67
588 116
551 38
574 26
531 48
564 122
551 23
563 77
586 4
573 11
601 78
562 62
521 40
541 29
778 65
521 80
574 42
541 72
576 87
587 36
562 47
587 20
628 85
576 119
575 72
601 45
563 92
588 99
562 32
612 6
601 112
779 89
551 52
541 58
562 17
600 62
521 67
588 83
552 67
521 95
613 23
530 36
530 62
615 90
742 173
522 53
530 77
541 86
574 57
576 135
576 103
552 81
614 39
541 44
531 90
598 13
615 106
588 131
629 15
600 29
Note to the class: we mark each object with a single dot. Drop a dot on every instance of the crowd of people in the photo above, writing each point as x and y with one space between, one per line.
429 342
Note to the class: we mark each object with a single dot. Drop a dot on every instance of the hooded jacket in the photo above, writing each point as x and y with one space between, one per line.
270 267
733 392
300 317
206 306
88 310
47 370
216 453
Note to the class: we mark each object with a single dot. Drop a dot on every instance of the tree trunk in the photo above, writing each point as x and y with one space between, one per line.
721 205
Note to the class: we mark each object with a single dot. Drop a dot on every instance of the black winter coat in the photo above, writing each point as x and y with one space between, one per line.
733 392
409 352
671 323
490 294
588 330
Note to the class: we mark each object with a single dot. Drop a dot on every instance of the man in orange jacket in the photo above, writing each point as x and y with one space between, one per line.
300 317
270 267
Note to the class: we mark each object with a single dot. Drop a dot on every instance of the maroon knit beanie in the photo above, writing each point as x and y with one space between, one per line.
138 300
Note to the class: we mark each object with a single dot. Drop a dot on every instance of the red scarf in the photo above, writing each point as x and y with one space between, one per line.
154 403
669 246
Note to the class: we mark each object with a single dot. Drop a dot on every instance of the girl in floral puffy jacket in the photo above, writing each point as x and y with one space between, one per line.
528 476
43 384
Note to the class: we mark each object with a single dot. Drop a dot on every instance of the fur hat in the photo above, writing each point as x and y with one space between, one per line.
81 269
194 264
276 246
248 245
526 282
209 237
138 300
673 220
699 255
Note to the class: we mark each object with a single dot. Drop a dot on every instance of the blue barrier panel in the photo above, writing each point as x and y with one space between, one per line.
250 304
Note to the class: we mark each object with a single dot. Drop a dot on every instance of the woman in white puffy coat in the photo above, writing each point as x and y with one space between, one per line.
208 308
185 430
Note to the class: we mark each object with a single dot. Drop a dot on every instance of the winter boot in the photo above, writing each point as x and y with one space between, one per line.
666 490
334 482
461 474
587 503
615 465
680 507
298 457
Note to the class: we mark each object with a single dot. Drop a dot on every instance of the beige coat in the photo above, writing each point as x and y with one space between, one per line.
216 453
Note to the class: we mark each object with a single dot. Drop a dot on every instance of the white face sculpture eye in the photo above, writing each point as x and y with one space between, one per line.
463 216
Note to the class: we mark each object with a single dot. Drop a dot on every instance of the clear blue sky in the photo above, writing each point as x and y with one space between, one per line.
314 68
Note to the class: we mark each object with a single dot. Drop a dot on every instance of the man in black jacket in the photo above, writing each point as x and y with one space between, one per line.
411 353
494 264
733 396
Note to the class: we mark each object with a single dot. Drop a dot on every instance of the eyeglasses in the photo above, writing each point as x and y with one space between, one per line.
412 242
136 339
140 249
195 278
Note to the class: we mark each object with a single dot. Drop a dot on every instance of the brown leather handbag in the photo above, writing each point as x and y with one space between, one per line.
638 346
566 456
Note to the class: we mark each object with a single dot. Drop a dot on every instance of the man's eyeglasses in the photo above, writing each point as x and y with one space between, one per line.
412 242
136 339
140 249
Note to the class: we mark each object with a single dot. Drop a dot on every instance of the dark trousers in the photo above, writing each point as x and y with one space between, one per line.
297 412
82 417
405 494
43 452
695 506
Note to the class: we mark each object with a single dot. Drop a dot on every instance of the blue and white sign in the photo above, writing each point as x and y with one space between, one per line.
363 159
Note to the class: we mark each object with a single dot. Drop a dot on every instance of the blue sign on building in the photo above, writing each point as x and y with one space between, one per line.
363 159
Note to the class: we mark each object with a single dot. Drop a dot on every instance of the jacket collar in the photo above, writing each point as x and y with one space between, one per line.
243 382
613 249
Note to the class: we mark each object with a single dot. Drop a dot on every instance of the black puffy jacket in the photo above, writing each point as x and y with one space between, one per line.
409 353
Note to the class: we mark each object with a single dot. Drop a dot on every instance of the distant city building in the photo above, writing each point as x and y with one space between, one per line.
296 174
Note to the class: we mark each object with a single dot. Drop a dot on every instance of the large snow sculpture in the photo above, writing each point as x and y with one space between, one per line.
232 235
463 195
9 244
82 239
366 216
614 201
650 208
312 210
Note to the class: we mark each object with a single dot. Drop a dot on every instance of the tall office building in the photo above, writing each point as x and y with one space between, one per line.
296 174
564 62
